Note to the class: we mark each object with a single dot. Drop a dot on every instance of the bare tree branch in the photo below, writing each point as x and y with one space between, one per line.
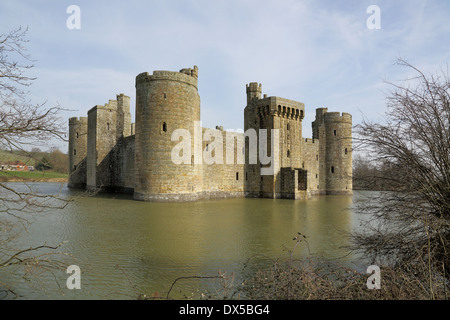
24 124
410 155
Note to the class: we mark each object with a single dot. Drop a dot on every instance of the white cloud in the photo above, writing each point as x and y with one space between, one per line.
320 53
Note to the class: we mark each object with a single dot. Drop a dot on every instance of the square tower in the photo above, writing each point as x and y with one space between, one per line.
280 120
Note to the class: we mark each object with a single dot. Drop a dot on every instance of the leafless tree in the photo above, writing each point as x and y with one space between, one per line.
23 124
410 225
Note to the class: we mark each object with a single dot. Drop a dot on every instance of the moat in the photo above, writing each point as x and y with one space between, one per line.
119 243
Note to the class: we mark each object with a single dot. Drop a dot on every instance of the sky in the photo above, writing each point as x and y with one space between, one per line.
321 53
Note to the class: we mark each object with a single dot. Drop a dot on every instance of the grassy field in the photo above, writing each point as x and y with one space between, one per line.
7 156
31 175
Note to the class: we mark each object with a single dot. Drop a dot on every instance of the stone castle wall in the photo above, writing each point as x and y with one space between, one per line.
108 152
222 178
334 131
310 163
124 165
165 101
77 152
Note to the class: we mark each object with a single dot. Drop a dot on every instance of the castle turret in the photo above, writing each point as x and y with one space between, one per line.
102 138
123 116
165 101
254 91
274 115
77 152
334 131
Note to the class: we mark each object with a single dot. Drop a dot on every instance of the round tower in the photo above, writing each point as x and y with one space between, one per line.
165 101
338 154
77 152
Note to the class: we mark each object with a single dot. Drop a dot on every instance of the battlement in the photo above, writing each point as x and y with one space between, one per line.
254 91
289 108
77 120
253 87
281 107
110 106
273 105
123 102
191 72
321 111
94 108
122 96
187 75
337 117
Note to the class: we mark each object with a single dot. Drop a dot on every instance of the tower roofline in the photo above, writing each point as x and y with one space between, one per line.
187 75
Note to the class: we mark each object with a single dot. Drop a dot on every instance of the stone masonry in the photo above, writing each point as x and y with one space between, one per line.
109 153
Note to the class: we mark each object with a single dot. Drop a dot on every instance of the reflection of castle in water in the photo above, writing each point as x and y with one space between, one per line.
107 151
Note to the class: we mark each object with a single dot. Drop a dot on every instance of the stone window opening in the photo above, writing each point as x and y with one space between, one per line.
332 169
345 151
206 147
334 132
74 152
288 127
77 135
107 125
75 167
317 157
165 96
246 176
164 127
288 153
237 176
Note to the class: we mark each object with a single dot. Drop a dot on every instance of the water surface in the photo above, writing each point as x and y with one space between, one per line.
126 247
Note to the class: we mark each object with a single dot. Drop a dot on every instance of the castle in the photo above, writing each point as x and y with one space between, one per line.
108 152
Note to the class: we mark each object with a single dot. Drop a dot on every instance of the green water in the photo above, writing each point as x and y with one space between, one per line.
125 247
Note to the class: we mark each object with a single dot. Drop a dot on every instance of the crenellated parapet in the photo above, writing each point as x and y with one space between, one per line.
338 117
77 120
254 91
280 107
187 76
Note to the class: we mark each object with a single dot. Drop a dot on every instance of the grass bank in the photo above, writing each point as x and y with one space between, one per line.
32 176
